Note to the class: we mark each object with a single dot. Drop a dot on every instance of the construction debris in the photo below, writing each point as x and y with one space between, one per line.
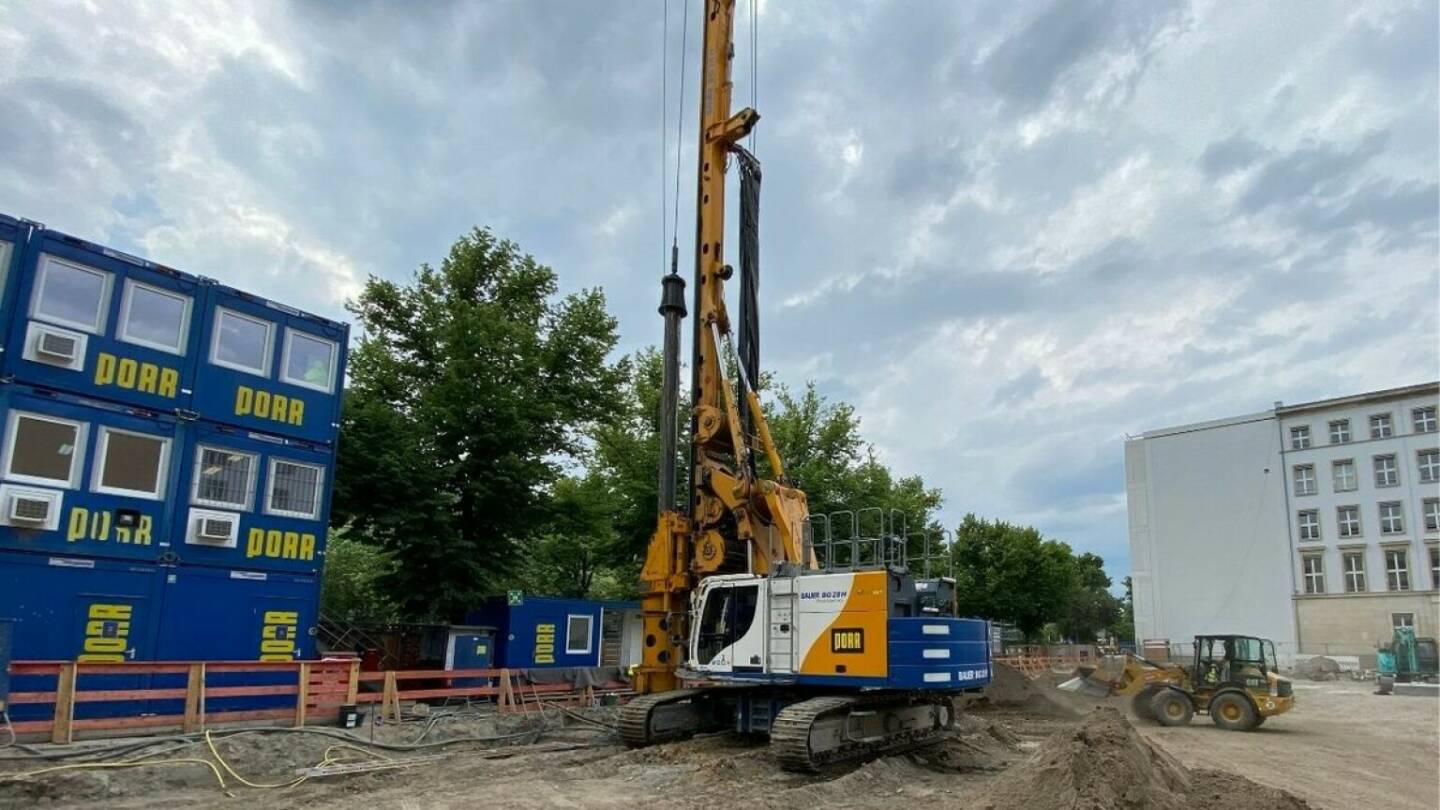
1317 668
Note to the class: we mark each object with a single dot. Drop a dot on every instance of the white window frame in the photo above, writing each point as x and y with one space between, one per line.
1344 426
1423 419
249 483
1308 521
122 332
221 312
1344 524
1429 473
1399 516
1335 468
1433 553
102 450
589 632
101 316
1377 420
1300 437
1395 625
1394 572
12 424
1295 479
270 488
329 385
1430 511
1354 576
1314 580
1394 470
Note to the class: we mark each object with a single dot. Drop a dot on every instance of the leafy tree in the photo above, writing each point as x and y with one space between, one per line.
1010 573
575 543
470 388
351 589
1122 626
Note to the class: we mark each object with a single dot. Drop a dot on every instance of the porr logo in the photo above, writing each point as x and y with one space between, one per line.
280 545
107 633
265 405
134 375
96 526
277 635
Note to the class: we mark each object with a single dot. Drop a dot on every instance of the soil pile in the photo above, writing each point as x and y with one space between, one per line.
1009 688
1104 764
1318 668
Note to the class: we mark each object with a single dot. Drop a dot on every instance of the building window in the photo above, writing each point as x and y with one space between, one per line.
1432 514
1424 419
242 342
224 478
150 316
1435 567
1429 465
1399 620
1345 477
1348 518
1397 569
71 295
1309 522
1386 473
577 634
1314 574
131 464
1305 479
1391 520
1381 426
294 489
1354 571
309 361
1340 431
43 449
1300 438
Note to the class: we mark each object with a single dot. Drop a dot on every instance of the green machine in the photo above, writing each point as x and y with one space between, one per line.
1407 659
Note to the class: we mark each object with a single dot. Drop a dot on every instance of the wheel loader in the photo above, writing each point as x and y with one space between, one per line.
1234 679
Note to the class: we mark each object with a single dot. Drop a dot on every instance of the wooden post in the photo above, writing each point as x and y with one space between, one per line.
64 704
390 698
194 698
505 698
352 691
302 695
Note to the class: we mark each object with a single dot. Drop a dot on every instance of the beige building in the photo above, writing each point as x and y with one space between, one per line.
1316 525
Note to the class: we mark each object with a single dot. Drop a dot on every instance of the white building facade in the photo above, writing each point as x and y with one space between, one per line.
1316 525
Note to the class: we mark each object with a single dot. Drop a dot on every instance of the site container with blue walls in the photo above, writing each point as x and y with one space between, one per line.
85 477
541 632
14 233
251 501
269 368
100 323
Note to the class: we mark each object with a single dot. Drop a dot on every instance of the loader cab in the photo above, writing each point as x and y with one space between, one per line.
1244 661
730 634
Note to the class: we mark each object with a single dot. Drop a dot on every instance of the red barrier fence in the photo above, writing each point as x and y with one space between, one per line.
319 689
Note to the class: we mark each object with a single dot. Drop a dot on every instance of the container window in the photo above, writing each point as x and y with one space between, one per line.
131 464
42 449
294 489
577 634
71 295
224 478
150 316
309 361
242 343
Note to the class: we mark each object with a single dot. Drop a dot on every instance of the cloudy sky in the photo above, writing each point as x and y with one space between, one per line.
1010 233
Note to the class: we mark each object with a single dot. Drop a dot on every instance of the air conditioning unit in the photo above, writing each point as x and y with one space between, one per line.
216 529
30 510
60 347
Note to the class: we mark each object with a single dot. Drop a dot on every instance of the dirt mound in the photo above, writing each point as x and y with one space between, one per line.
1318 668
1009 688
1105 764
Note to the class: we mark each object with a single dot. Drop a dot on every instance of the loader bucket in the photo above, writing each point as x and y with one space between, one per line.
1084 681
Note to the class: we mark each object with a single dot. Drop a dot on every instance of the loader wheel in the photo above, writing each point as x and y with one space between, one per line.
1172 708
1142 704
1259 720
1232 712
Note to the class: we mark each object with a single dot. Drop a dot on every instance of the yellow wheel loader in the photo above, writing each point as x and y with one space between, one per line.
1234 679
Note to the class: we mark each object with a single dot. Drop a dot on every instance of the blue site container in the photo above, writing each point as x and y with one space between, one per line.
7 627
267 367
84 477
14 234
96 322
546 632
75 609
248 500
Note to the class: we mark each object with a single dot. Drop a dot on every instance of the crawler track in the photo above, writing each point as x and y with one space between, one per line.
825 730
638 726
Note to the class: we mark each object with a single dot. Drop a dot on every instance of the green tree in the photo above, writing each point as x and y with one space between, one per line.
575 543
351 587
470 388
1122 626
1010 573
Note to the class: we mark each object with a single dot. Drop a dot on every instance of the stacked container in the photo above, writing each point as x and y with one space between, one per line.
166 459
